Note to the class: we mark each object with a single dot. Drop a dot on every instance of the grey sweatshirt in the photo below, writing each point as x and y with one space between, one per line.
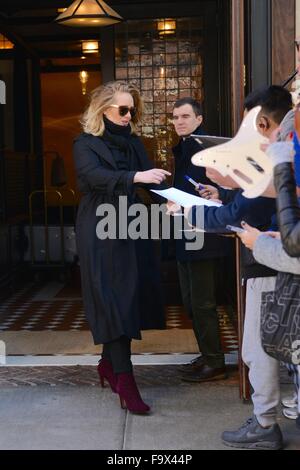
270 252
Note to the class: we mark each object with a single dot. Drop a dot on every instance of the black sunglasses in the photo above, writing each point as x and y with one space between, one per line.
123 110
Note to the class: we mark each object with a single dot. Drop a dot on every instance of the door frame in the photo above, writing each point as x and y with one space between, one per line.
237 62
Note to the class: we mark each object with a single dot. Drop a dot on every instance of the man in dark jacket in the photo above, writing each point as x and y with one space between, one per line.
196 268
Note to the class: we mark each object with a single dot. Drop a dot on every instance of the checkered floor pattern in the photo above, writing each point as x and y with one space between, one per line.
38 307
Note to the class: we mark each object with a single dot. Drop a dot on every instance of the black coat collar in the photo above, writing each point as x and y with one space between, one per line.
98 146
194 146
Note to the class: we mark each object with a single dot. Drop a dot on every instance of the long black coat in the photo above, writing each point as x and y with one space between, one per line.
120 278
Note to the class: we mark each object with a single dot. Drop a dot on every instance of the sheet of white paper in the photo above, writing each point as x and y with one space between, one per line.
185 199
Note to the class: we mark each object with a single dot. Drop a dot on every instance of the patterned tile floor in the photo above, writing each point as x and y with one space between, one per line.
58 307
87 375
149 375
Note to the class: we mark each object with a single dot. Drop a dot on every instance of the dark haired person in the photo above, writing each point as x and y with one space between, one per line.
276 102
196 269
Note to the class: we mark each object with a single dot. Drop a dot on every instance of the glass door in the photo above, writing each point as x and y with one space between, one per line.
164 58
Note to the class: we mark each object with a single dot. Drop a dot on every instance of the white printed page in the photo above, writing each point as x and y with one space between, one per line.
185 199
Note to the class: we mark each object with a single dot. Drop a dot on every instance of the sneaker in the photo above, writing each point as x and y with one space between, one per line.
290 413
195 364
253 436
290 402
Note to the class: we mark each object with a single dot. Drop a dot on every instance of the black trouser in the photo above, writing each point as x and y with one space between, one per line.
197 282
118 352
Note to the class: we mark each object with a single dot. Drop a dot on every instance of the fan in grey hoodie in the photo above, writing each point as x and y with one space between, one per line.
268 250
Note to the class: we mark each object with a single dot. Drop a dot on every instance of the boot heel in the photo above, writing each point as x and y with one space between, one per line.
122 403
106 373
102 381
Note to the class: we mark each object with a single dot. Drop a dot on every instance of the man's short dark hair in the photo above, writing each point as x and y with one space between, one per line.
197 107
275 101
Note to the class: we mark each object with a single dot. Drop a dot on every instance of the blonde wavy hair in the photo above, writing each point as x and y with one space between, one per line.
101 98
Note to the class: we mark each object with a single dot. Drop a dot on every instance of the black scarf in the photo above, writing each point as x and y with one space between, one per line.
120 137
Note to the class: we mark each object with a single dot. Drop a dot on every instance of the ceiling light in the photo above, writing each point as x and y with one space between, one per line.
89 13
5 43
166 27
89 47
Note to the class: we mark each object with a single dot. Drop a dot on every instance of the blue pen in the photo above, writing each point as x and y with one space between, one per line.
193 182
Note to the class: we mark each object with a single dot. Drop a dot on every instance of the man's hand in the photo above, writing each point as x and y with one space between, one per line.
209 192
224 181
276 235
250 235
173 208
273 138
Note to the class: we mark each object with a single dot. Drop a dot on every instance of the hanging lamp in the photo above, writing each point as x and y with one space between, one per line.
83 13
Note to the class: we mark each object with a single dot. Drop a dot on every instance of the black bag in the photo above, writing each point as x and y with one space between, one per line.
280 319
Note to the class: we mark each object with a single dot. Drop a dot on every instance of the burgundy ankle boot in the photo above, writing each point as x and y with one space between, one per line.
105 371
130 397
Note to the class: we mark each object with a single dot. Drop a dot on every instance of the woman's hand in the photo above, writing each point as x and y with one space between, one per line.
154 176
250 235
209 192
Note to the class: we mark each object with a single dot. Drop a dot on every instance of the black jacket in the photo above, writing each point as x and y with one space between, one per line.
120 278
288 210
257 212
215 246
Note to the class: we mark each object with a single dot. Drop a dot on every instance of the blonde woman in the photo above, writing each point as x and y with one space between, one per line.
120 282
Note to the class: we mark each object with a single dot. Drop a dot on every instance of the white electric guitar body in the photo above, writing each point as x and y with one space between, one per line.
241 158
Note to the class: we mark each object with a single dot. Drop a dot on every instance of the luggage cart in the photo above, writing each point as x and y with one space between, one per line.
52 244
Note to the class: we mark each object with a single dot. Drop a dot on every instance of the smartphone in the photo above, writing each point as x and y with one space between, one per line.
235 229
